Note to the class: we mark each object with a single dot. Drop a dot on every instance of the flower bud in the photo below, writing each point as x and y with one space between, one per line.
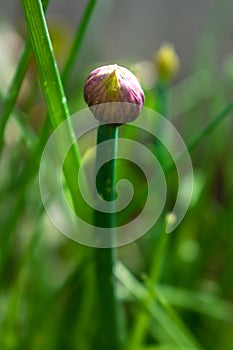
166 62
113 94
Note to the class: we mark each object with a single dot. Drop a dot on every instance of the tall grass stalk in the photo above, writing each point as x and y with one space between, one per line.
52 88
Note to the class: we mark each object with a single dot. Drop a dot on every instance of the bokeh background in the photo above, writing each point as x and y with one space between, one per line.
46 283
133 30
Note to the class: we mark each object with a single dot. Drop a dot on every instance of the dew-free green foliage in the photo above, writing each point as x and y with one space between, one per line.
172 292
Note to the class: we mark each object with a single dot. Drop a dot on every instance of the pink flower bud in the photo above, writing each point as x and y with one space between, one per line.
113 94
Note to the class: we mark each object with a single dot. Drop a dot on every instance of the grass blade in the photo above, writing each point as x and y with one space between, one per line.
177 331
52 87
80 33
15 85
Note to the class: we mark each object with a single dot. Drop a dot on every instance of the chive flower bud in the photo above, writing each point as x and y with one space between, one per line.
113 94
166 62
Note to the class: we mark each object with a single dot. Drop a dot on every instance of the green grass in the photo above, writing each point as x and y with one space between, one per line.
173 292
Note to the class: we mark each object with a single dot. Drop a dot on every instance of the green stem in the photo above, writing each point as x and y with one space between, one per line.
211 126
140 327
52 89
15 85
142 318
31 168
161 98
161 94
202 134
80 33
13 91
10 100
169 320
108 331
46 63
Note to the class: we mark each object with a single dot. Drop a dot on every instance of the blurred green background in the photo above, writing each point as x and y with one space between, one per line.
175 292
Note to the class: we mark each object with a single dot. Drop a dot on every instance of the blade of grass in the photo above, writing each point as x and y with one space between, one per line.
142 318
177 331
191 145
13 91
163 347
10 100
47 67
52 89
28 135
161 94
211 126
203 133
78 40
140 327
170 312
31 168
200 302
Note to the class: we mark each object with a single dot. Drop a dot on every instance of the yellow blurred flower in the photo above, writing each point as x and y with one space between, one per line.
166 61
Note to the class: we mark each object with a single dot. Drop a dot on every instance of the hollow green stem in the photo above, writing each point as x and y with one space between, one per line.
46 63
52 89
108 331
105 179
